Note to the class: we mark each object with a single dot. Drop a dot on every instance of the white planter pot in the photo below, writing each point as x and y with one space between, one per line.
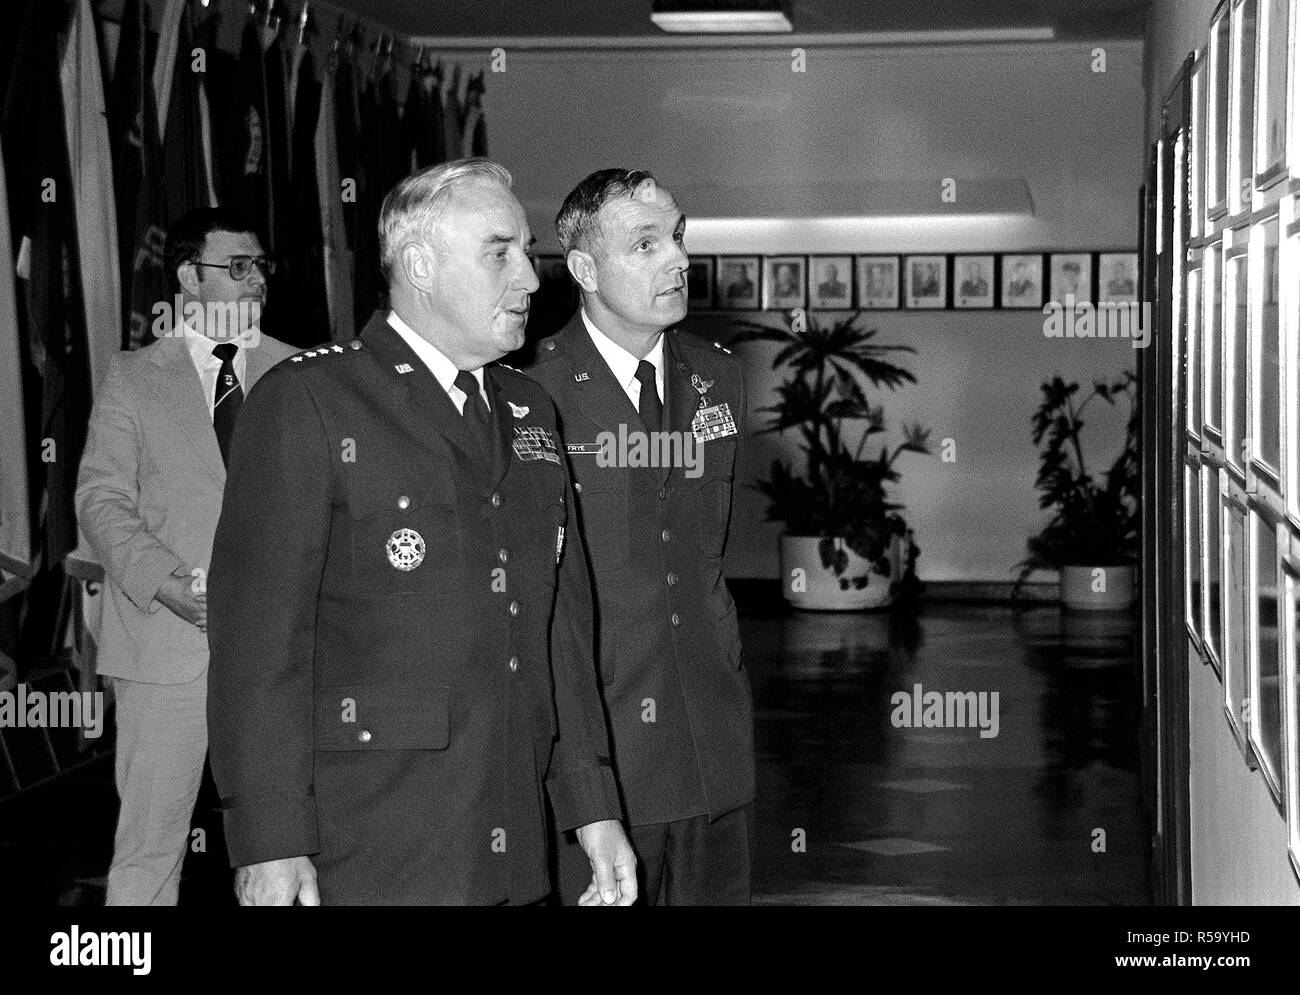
808 585
1086 588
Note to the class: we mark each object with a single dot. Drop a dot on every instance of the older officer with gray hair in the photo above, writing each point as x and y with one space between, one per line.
399 605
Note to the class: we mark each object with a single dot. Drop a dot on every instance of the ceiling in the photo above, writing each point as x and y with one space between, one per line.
579 18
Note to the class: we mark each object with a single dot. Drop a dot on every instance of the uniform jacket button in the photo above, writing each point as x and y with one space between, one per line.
663 495
514 608
514 664
667 535
504 555
672 578
496 500
364 735
677 619
403 502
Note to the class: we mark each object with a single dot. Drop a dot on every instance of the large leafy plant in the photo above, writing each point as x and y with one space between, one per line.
1095 521
838 494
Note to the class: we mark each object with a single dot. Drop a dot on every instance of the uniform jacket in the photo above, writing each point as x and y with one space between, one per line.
398 725
675 690
148 497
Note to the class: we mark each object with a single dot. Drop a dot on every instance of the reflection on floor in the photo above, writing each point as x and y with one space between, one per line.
851 808
1047 811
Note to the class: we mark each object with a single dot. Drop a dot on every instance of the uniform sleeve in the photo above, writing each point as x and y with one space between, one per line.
580 781
267 562
108 497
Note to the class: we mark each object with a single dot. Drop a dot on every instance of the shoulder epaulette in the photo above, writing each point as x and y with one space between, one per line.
334 349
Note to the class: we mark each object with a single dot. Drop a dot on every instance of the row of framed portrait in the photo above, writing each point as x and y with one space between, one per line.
891 282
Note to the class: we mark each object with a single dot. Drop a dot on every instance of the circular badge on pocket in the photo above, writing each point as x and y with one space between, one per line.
405 549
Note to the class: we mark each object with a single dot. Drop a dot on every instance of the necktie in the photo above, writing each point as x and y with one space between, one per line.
229 397
476 414
652 409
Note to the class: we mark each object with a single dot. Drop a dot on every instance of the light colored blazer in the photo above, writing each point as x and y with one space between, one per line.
148 499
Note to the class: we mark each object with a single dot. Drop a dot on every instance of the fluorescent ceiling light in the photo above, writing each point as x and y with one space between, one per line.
714 22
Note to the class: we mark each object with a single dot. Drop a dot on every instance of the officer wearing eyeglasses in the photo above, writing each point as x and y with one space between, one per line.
148 498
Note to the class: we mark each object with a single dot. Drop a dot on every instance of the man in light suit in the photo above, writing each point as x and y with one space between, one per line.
148 499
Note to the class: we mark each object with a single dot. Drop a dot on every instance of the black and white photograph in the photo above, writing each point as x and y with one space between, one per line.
925 281
972 282
877 283
831 283
1070 278
649 453
1117 277
738 283
784 282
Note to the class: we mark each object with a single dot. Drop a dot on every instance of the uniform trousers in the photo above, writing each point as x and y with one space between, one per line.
162 739
691 861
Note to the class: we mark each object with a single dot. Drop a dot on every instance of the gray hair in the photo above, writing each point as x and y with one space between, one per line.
413 207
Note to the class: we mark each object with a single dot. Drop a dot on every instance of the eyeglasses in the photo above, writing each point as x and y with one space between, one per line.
240 266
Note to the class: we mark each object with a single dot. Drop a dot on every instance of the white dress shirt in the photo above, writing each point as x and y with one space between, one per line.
623 364
209 366
442 368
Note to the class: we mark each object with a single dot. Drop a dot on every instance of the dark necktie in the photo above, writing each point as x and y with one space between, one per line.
652 409
476 414
229 396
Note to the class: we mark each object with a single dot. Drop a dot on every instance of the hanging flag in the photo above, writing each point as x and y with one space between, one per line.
185 175
434 128
251 188
16 521
347 132
474 135
126 127
337 253
92 176
451 111
43 220
307 262
164 76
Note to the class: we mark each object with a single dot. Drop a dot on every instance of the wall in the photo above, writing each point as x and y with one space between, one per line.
728 128
1238 835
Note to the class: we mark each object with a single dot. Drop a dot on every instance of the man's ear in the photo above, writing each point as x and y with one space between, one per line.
582 267
416 263
187 275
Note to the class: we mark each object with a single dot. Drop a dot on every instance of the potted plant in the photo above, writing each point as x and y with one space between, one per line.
846 545
1093 535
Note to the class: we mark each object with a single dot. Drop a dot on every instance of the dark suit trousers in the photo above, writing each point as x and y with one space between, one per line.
685 862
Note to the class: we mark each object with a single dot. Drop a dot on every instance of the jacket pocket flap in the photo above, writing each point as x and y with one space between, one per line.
369 718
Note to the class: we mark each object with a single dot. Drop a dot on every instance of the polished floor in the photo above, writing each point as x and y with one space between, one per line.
852 808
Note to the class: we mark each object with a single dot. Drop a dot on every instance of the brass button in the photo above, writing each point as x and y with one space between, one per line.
496 499
550 346
514 608
667 535
364 735
514 664
355 343
663 495
403 502
677 619
672 578
503 554
577 487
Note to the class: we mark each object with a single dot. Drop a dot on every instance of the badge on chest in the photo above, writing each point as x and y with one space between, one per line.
711 421
535 443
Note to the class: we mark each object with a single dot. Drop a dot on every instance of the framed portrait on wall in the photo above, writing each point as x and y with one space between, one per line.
877 283
1241 107
1070 277
925 281
972 281
738 283
1216 108
830 284
1117 277
784 282
1271 113
700 273
1022 281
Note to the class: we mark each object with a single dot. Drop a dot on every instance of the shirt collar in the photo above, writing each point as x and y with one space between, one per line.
442 368
201 346
621 362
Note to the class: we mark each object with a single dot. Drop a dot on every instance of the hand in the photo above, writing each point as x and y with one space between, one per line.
178 594
613 864
277 882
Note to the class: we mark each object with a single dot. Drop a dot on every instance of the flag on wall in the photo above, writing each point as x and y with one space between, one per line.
337 255
16 551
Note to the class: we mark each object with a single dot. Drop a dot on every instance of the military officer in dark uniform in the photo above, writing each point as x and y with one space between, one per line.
399 608
676 693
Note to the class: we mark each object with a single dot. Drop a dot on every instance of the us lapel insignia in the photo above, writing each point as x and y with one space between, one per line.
579 377
403 368
517 410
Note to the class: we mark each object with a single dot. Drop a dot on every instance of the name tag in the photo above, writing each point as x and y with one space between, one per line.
713 422
582 448
535 443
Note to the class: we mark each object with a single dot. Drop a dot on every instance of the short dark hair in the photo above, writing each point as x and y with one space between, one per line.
576 223
189 233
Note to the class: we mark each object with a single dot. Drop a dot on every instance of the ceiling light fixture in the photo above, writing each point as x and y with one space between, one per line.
722 16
